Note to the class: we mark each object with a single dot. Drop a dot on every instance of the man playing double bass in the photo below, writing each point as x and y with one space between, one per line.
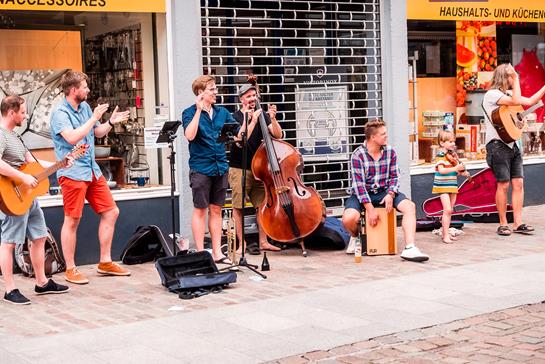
248 118
375 182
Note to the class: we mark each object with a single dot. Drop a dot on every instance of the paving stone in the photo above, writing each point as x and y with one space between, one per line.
318 354
350 359
345 349
369 344
529 339
424 345
293 360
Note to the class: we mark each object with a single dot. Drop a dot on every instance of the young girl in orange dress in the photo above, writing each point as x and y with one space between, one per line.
445 182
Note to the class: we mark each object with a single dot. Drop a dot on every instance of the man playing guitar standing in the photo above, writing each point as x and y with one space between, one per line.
14 229
505 159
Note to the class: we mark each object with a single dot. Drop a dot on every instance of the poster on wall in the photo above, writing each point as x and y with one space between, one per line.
41 90
476 59
322 128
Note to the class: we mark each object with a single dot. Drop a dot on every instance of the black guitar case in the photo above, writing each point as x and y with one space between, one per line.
191 271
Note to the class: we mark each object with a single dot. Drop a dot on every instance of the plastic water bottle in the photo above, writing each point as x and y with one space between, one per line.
357 251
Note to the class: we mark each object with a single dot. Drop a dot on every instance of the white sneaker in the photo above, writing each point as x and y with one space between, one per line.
414 254
351 245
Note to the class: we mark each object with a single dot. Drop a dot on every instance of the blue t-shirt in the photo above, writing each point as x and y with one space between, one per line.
206 155
64 117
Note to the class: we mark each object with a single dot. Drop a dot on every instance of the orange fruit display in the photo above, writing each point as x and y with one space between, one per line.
464 56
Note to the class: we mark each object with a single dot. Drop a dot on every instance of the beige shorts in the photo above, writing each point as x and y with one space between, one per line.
255 190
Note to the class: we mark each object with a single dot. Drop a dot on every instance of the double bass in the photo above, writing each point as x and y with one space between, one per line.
291 210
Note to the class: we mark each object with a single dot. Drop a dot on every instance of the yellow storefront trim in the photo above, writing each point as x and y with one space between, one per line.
493 10
126 6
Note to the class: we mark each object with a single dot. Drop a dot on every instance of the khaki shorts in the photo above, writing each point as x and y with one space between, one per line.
255 190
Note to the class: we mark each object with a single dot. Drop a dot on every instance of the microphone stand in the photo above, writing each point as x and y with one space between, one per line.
243 262
172 159
168 135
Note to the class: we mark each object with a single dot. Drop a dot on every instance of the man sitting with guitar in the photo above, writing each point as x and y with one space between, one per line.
503 155
31 224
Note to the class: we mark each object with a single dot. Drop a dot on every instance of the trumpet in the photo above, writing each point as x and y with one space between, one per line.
231 237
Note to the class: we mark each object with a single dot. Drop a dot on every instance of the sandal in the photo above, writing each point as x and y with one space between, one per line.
503 230
523 229
253 249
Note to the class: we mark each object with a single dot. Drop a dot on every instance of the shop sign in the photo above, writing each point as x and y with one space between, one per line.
126 6
491 10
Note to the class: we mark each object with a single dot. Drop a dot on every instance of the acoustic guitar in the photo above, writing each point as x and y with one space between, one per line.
16 197
508 120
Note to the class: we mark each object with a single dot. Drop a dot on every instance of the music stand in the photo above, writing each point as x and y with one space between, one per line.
167 135
228 133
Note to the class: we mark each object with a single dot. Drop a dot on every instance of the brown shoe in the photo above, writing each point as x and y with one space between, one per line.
112 269
73 275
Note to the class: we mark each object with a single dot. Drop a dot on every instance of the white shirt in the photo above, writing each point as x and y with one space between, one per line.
490 103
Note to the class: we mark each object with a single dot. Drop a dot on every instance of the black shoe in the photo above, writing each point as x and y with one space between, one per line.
51 287
16 298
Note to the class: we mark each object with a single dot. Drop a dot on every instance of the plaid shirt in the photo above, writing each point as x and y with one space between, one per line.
373 176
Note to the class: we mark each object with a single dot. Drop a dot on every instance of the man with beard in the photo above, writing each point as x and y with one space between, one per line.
248 118
73 122
14 229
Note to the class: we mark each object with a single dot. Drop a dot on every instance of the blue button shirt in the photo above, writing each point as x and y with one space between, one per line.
206 155
64 117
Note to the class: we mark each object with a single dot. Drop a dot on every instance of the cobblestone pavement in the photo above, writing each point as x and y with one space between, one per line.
117 300
111 304
515 335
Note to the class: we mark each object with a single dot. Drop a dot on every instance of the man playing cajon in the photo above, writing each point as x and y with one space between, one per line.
375 182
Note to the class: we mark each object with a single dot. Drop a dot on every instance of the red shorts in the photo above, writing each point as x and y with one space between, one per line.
96 192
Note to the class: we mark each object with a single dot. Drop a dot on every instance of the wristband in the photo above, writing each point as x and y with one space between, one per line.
110 122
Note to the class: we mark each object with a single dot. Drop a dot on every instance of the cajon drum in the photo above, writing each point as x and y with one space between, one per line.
381 238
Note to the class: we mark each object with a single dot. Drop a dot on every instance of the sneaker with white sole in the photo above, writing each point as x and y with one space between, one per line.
15 297
413 254
51 287
351 245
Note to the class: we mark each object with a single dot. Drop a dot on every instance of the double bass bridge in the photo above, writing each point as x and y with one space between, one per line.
281 189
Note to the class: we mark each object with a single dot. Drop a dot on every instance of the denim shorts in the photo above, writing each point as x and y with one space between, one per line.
207 190
14 229
352 202
506 162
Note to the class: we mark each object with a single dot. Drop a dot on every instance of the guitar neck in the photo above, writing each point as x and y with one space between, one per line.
531 109
50 170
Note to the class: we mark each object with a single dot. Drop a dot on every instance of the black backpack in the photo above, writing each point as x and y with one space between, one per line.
329 235
146 244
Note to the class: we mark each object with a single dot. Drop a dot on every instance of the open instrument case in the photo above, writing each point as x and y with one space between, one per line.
476 200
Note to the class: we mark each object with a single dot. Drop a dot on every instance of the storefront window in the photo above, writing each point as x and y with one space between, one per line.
454 66
116 51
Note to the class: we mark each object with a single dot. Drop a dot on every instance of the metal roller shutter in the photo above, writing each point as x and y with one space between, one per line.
318 61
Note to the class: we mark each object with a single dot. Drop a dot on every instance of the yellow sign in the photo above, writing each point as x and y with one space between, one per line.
126 6
492 10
